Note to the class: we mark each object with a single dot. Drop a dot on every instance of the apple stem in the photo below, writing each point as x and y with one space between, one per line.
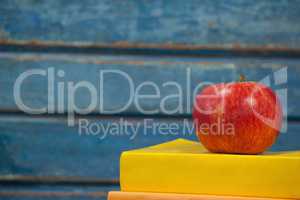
242 78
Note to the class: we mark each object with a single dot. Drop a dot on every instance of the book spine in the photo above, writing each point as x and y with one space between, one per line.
115 195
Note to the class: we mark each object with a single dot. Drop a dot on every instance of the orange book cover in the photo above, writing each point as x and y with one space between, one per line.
115 195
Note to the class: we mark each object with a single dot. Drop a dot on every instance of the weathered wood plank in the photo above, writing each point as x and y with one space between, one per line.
58 150
46 146
53 180
52 196
185 74
80 192
180 24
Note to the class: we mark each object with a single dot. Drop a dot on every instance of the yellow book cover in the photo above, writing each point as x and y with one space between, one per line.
183 166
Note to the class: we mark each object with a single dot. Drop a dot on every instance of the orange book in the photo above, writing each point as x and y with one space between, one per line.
172 196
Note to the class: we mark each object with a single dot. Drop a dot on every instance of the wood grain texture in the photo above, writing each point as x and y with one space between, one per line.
78 192
43 158
58 150
47 147
186 72
52 196
189 24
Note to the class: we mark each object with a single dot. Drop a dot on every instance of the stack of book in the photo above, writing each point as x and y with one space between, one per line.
183 169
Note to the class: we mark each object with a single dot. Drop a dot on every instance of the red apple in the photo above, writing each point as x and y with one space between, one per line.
241 117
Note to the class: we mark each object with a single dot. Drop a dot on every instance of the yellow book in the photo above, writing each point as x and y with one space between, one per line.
183 166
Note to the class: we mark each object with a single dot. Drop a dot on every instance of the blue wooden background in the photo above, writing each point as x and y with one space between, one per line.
42 157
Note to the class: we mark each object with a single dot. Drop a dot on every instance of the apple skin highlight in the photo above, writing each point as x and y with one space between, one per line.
238 118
